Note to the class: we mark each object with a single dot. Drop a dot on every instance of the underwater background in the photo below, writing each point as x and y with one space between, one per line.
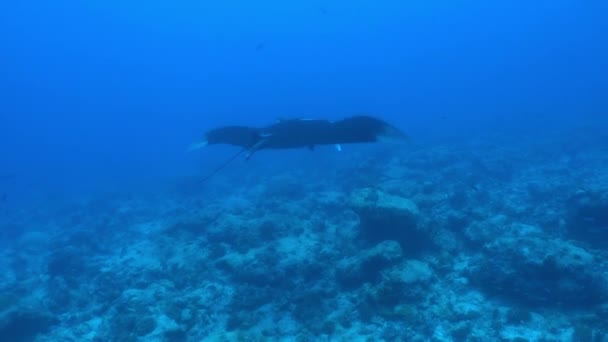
491 224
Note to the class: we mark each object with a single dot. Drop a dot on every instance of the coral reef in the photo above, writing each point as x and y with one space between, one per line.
587 217
433 243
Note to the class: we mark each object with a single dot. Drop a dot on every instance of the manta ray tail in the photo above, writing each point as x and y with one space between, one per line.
222 165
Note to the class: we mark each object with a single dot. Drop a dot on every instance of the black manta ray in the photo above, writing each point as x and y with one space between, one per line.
299 133
302 133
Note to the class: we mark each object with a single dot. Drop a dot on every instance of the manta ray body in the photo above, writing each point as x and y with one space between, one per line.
304 133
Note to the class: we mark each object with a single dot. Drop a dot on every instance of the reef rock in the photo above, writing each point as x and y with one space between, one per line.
366 267
587 217
387 217
541 272
25 325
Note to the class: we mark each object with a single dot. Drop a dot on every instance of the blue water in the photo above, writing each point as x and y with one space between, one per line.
102 212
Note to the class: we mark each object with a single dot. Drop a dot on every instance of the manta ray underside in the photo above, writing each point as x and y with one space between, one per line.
301 133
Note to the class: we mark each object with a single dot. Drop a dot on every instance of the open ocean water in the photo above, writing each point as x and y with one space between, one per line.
489 224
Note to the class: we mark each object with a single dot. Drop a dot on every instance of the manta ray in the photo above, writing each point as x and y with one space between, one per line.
301 133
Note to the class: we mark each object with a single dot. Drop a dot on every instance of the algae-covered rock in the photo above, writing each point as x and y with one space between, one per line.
384 216
407 281
25 325
587 217
540 271
366 266
412 271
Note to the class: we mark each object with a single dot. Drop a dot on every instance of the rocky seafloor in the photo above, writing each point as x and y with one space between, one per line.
469 242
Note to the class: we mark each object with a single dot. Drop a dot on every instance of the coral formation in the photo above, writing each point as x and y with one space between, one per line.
432 243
